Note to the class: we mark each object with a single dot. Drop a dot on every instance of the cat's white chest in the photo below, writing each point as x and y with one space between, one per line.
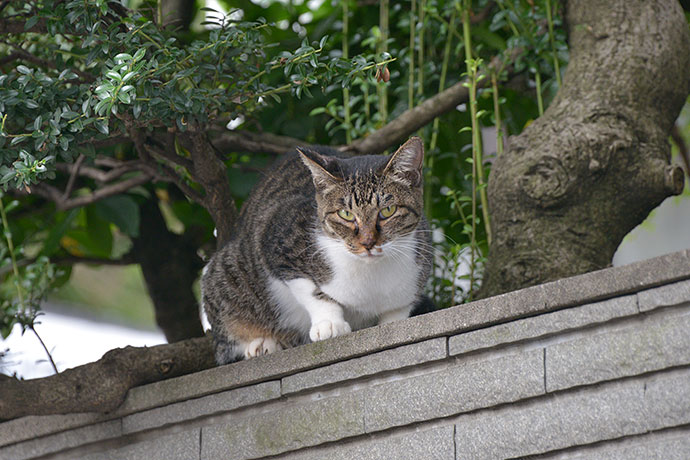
372 286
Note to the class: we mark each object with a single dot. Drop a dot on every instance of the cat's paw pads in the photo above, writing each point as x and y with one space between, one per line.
261 346
327 329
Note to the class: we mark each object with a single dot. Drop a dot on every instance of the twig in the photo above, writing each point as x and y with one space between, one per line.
73 177
50 356
245 141
53 194
173 158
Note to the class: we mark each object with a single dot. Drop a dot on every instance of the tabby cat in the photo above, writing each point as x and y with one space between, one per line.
325 244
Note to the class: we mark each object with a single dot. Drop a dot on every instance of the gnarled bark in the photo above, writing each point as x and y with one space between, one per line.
578 179
102 386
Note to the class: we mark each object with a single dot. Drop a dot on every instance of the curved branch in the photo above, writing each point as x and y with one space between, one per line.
101 386
247 141
411 120
53 194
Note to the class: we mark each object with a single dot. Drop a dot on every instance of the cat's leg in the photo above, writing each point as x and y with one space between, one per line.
395 315
226 349
325 313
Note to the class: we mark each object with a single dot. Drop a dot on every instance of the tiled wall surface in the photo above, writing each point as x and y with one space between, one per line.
590 367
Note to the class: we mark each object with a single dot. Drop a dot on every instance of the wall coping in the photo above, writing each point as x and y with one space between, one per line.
549 297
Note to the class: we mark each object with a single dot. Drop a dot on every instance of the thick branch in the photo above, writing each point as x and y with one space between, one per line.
101 386
212 175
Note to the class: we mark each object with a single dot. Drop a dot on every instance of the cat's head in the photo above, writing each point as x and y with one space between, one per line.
368 201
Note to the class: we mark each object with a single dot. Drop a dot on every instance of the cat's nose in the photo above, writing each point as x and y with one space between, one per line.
368 243
367 240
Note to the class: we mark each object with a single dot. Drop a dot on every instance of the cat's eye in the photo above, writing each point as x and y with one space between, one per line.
388 211
346 215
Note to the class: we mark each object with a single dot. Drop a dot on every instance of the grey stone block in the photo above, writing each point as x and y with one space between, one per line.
177 446
431 444
611 282
668 397
665 445
558 421
207 405
543 325
289 427
61 441
395 358
664 296
652 343
462 386
24 428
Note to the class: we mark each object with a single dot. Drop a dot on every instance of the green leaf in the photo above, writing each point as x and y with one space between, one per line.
30 22
8 176
23 69
114 75
123 57
52 242
100 237
122 211
124 98
139 54
102 126
127 77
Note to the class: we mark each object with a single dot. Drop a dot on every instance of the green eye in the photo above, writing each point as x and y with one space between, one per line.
388 211
346 215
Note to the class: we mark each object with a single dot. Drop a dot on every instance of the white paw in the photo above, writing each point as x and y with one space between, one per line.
326 329
261 346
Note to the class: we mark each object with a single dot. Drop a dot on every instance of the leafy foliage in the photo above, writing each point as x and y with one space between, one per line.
99 105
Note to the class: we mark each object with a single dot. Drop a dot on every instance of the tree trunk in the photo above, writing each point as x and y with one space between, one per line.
578 179
170 267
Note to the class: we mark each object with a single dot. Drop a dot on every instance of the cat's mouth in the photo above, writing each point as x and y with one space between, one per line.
376 251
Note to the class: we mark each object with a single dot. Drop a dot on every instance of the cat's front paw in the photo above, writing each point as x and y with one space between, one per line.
261 346
326 329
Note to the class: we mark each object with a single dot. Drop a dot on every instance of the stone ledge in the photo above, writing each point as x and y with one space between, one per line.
578 290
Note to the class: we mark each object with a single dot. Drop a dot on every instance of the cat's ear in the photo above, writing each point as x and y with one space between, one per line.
405 165
319 166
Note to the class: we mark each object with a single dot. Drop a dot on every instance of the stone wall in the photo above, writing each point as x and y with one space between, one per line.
594 366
